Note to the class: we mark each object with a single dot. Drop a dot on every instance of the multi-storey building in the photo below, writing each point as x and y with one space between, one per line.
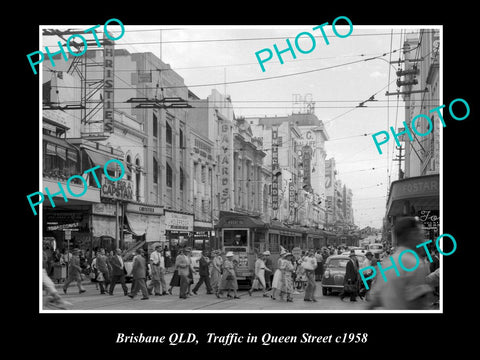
417 192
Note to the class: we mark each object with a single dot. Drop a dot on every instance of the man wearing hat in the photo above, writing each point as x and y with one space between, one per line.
260 269
350 281
157 266
203 271
268 270
74 272
309 264
182 265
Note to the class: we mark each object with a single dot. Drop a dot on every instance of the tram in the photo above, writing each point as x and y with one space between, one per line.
248 236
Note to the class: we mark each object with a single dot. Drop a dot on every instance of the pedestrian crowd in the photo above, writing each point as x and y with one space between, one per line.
218 272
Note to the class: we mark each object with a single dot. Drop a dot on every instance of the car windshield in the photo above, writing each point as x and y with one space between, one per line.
337 263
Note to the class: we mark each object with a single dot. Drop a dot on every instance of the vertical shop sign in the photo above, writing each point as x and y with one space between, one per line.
274 167
225 163
291 195
307 156
108 75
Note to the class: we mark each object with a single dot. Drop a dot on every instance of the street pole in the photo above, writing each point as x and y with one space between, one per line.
117 225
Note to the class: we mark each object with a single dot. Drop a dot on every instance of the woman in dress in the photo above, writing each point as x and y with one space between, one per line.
216 270
287 271
278 276
175 280
229 277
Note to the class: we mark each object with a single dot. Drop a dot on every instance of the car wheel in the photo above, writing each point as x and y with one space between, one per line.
324 291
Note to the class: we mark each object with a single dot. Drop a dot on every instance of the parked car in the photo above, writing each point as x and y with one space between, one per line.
334 273
195 257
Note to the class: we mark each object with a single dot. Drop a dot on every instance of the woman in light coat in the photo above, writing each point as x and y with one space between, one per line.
278 275
216 271
229 277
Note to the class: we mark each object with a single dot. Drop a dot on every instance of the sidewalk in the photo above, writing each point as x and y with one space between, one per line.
88 281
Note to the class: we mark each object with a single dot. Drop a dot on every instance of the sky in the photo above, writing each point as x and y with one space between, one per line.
338 77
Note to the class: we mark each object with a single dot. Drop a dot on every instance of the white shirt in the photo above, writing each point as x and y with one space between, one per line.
157 258
309 263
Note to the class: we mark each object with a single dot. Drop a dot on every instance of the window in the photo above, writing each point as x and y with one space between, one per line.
59 161
204 174
182 142
137 179
169 176
155 171
168 134
129 163
182 179
155 125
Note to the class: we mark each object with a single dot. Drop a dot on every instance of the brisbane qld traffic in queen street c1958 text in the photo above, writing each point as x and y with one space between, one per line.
241 168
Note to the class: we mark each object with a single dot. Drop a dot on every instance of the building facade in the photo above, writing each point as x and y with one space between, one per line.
417 193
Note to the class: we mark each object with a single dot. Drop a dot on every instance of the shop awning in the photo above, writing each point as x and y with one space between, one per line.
240 221
99 159
104 226
148 225
408 196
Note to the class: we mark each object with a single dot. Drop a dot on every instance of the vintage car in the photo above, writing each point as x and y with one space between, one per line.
334 273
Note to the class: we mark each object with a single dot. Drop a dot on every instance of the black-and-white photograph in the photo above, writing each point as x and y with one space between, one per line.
215 168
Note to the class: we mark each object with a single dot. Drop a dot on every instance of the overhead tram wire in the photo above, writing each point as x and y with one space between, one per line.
257 79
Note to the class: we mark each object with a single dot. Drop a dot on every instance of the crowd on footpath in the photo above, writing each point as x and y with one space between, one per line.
218 272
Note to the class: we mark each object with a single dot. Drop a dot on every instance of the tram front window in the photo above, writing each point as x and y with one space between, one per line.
235 237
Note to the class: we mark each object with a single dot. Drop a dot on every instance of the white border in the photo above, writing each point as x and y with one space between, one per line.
365 311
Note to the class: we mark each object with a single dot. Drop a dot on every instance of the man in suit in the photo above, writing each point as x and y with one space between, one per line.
118 272
74 272
204 273
182 264
351 278
157 265
139 274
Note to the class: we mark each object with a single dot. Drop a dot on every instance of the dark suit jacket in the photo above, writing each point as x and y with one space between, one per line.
351 271
117 268
203 267
139 267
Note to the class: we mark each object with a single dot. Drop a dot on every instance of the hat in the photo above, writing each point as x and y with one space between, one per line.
266 252
187 249
283 252
229 254
287 254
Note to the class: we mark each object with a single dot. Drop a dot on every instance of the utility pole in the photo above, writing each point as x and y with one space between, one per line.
400 157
